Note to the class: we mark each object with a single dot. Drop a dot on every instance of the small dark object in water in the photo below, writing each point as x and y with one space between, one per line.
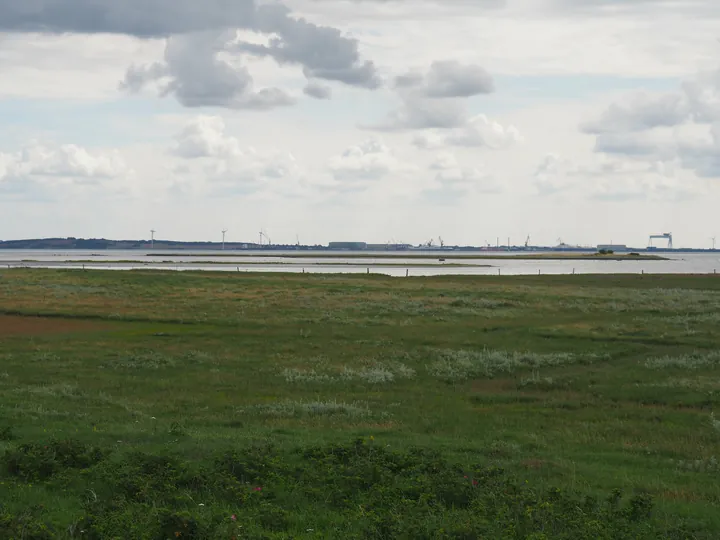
442 260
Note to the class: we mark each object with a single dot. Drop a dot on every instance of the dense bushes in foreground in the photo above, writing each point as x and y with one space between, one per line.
358 490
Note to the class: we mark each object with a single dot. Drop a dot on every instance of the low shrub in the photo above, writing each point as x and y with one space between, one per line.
360 490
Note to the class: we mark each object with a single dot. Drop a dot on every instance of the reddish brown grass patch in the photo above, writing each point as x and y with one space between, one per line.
12 325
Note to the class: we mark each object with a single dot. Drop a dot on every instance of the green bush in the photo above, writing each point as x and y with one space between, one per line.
33 462
358 490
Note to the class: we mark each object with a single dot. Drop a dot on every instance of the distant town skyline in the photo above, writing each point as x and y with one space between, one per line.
594 121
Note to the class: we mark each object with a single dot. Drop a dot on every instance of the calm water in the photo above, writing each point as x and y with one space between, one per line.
505 264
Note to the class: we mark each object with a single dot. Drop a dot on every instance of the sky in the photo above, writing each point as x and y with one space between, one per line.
583 121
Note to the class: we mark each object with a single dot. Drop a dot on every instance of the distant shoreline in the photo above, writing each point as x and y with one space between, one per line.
439 257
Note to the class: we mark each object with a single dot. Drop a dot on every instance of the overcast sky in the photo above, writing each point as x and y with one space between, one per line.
365 120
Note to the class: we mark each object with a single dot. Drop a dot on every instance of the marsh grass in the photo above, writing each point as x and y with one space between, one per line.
692 361
299 409
328 393
154 360
370 371
459 365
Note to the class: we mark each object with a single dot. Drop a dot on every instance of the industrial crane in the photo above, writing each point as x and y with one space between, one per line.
664 236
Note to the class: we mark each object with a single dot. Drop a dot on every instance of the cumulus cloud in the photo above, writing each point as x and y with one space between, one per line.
437 100
322 51
429 140
42 167
197 76
216 164
192 69
680 126
369 161
423 113
479 131
317 91
639 112
448 79
444 161
551 175
612 180
142 18
205 136
475 132
224 165
458 181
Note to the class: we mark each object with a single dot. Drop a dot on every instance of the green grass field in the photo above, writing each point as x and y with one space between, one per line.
161 405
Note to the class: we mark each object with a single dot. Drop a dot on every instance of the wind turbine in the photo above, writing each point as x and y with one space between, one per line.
224 232
152 238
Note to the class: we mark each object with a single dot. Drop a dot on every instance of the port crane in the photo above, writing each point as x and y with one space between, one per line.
264 235
664 236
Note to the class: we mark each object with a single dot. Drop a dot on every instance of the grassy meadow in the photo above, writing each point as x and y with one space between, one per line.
148 404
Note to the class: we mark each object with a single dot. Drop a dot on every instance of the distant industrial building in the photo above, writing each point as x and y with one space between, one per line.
350 246
613 247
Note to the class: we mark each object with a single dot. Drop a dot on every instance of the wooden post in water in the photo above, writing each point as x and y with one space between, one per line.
538 271
498 271
407 272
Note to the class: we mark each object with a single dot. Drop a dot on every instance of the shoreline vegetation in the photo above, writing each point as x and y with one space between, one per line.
203 405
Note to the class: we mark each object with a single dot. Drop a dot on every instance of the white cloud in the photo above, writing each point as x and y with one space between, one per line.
479 131
317 90
464 180
40 169
680 126
365 163
454 180
217 164
205 136
417 112
614 180
476 132
195 73
448 79
444 161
